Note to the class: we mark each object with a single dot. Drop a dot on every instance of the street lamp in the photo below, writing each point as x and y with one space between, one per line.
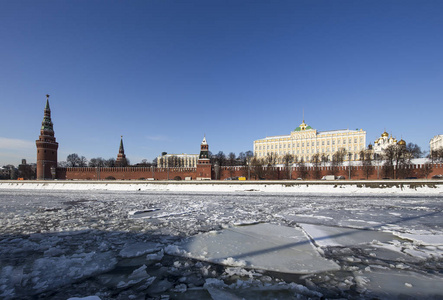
249 168
350 154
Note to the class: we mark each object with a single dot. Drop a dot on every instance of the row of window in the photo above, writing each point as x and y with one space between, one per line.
309 158
264 153
328 142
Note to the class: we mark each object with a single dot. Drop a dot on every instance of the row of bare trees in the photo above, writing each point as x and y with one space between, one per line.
74 160
395 162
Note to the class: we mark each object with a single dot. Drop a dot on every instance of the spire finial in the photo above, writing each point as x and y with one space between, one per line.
303 115
47 102
121 149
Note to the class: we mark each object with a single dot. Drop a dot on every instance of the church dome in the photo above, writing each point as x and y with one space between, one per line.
402 143
385 134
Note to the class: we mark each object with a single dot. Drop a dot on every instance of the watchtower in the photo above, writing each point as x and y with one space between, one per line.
46 147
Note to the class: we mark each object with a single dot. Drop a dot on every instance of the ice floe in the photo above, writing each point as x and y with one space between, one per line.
262 246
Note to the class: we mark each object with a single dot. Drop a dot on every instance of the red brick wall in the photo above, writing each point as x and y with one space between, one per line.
276 173
129 173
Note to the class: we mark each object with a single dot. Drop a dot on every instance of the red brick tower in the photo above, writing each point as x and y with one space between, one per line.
46 147
204 166
121 157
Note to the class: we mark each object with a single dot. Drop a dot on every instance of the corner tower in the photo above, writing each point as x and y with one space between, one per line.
46 147
121 157
204 167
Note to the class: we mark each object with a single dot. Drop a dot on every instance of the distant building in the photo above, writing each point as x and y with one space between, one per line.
305 141
436 142
177 161
5 172
384 141
26 171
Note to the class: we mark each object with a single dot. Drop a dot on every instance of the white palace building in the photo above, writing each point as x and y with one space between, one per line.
305 141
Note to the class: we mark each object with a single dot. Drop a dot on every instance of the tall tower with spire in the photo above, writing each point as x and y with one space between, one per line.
121 157
204 167
46 147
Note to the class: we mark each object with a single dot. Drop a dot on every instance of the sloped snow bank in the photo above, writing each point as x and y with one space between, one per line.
336 187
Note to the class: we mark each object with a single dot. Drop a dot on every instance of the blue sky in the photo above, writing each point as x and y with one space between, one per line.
164 73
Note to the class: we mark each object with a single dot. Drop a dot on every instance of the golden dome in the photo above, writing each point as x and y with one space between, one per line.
385 134
402 143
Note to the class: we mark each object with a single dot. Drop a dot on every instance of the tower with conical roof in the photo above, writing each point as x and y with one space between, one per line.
46 147
204 167
121 157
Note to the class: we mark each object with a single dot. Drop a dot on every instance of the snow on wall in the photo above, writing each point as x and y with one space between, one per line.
318 187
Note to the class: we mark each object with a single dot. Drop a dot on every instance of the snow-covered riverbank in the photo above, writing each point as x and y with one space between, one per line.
428 187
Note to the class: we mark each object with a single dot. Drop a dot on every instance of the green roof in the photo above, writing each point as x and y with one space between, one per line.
299 129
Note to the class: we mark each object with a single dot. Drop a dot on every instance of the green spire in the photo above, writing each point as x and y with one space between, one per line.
47 122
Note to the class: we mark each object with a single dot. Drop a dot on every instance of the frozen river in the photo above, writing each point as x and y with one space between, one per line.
169 245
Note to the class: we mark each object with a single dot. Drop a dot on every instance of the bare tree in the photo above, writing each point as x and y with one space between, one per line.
110 163
270 159
397 160
220 158
302 172
389 159
232 159
414 150
436 155
73 160
63 164
316 163
403 162
242 159
337 160
366 163
83 162
257 169
426 169
324 159
155 162
288 160
97 162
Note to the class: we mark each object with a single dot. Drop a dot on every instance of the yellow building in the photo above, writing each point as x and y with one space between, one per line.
177 161
305 141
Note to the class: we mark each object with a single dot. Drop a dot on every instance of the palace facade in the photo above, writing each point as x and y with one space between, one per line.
306 141
436 142
177 161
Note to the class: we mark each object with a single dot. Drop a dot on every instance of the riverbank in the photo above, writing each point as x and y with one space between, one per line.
429 187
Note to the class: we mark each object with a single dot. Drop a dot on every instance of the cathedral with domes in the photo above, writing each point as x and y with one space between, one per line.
384 141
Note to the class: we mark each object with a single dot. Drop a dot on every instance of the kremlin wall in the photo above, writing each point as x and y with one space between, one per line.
274 173
47 166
